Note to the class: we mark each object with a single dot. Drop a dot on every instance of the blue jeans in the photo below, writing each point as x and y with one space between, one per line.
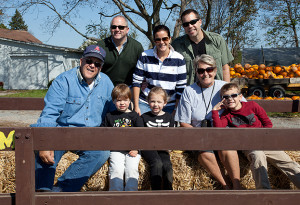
144 107
88 163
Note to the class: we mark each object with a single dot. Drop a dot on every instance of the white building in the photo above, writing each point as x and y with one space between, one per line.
27 63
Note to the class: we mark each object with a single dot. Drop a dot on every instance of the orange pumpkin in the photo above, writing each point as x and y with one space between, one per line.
260 76
297 73
247 66
296 98
261 66
277 69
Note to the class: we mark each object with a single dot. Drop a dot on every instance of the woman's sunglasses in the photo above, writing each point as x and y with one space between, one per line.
202 70
90 61
192 22
230 96
120 27
164 39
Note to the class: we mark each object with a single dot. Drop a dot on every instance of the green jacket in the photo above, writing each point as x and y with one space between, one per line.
120 67
215 46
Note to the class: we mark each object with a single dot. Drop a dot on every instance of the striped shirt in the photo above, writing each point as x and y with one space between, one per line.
169 74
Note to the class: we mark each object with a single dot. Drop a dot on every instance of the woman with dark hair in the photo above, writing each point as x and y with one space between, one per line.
160 66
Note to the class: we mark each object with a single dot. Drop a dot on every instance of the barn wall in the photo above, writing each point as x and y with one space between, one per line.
28 66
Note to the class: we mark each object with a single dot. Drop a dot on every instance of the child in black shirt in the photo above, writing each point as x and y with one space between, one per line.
123 161
159 161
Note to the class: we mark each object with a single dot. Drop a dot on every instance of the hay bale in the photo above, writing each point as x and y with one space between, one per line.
7 172
187 174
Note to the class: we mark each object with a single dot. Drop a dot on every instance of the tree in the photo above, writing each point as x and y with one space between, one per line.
146 11
143 14
17 22
282 21
1 19
233 19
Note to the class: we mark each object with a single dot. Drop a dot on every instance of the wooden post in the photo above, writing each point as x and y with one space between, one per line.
25 167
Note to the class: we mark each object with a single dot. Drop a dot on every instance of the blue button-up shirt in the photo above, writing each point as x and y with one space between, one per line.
70 102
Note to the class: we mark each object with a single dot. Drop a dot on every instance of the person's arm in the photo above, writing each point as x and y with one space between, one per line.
226 72
183 124
136 96
55 101
262 116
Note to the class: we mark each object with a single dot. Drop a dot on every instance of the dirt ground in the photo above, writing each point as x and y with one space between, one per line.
23 118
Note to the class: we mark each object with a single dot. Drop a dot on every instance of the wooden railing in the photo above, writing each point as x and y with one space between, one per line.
27 140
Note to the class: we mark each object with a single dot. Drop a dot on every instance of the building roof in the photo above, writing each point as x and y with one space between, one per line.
18 35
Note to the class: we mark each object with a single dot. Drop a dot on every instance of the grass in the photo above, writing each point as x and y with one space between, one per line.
284 114
27 94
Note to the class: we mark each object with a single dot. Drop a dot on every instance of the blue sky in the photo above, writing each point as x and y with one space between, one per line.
64 35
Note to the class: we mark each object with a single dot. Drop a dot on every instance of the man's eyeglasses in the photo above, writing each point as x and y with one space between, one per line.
90 61
164 39
192 22
230 96
202 70
120 27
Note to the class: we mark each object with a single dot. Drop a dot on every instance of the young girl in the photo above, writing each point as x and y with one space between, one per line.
123 161
159 161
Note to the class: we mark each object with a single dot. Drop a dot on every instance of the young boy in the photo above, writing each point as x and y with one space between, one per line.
123 161
250 114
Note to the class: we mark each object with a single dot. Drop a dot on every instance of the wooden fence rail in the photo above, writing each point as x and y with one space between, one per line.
29 139
38 104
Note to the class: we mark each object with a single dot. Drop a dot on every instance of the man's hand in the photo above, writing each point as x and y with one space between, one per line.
47 157
133 153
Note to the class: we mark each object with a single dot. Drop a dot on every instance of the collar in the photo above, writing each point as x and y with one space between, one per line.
155 51
81 80
207 36
123 45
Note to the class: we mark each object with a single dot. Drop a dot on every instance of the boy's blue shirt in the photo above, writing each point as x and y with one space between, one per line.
69 101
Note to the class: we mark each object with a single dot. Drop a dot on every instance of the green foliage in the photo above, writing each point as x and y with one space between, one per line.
3 26
282 20
28 94
17 22
284 114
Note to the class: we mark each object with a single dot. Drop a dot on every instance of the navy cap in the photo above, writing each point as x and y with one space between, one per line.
94 51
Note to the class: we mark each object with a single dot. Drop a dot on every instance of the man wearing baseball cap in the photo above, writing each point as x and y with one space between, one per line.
79 97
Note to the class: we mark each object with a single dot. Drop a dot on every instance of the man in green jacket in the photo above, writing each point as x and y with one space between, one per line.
197 42
122 52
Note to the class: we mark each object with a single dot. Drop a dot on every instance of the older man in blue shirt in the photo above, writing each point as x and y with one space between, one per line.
79 97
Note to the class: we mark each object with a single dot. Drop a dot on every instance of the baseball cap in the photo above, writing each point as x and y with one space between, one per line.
94 51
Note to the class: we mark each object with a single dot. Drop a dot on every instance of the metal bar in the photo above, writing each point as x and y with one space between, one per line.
25 182
21 103
214 197
7 199
101 138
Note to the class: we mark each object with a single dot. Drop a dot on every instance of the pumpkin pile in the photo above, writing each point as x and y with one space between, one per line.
254 97
264 72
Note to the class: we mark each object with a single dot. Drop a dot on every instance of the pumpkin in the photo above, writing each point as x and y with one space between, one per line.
296 98
277 69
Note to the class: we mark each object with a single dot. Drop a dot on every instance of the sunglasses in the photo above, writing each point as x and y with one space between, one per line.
192 22
90 61
202 70
230 96
164 39
120 27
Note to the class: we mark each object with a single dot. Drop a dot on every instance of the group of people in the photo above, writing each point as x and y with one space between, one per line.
183 82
